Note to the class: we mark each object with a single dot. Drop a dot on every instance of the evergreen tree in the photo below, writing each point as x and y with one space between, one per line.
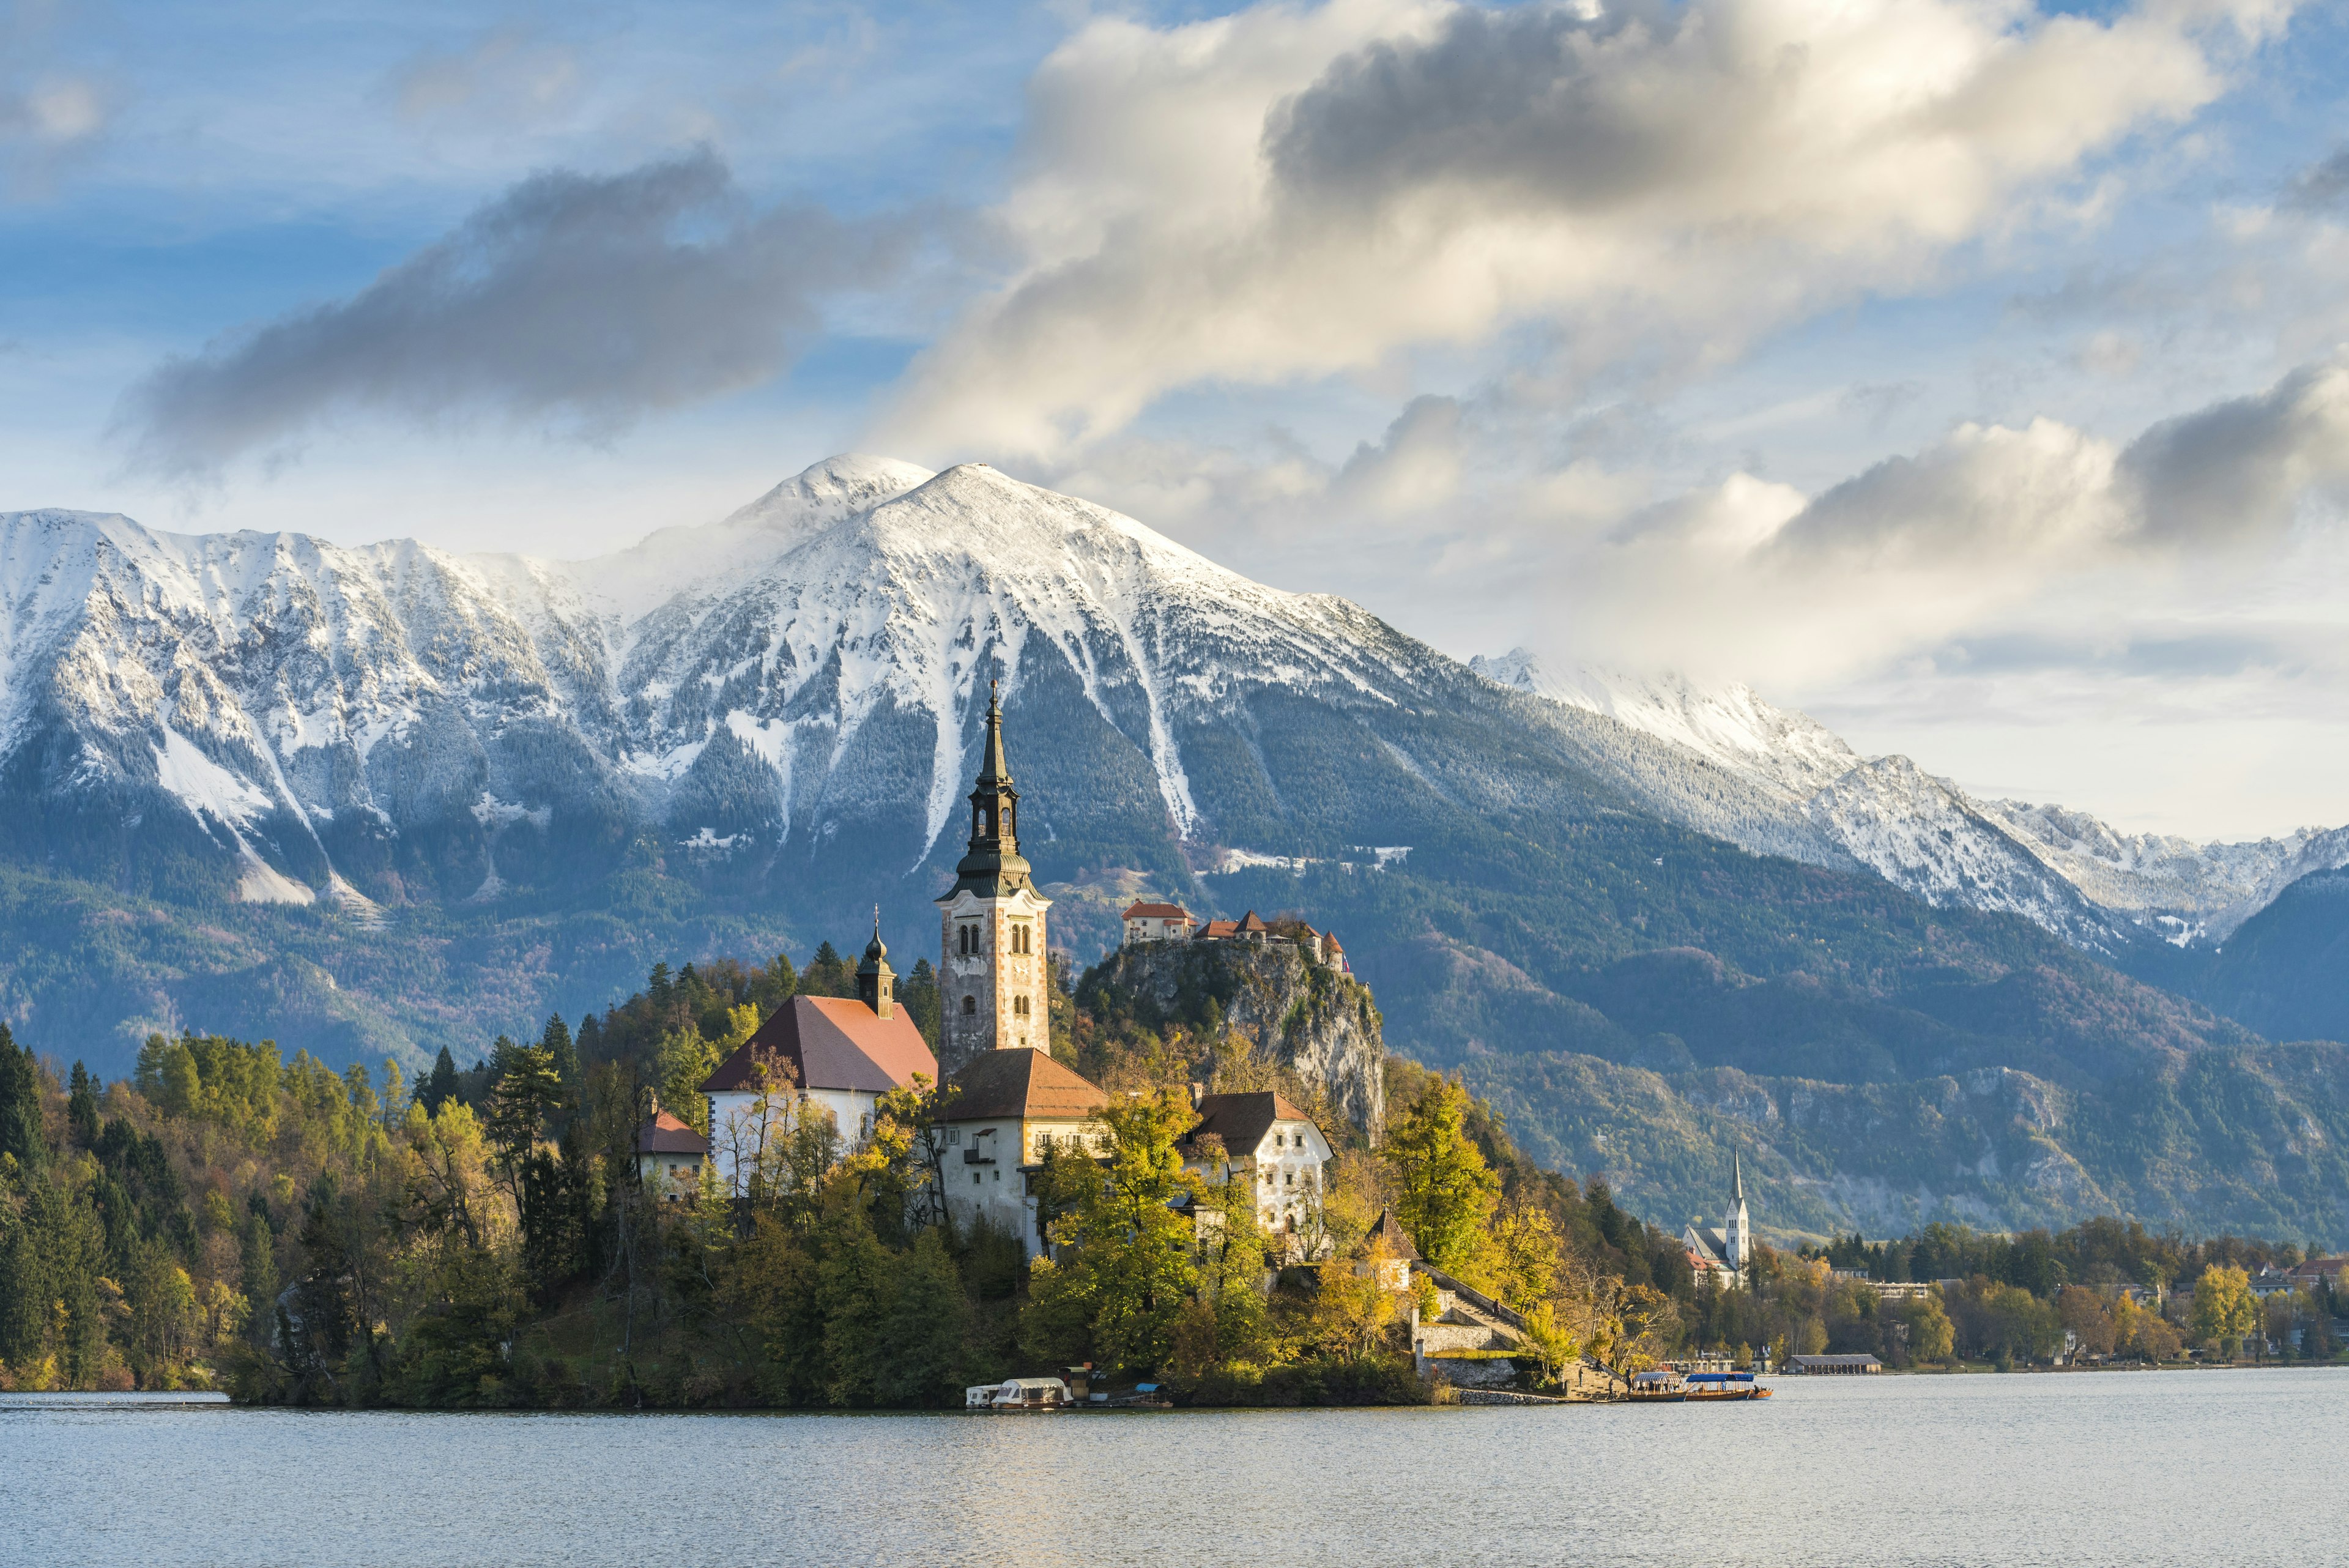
441 1086
557 1043
81 1109
20 1102
922 1331
828 975
257 1260
522 1089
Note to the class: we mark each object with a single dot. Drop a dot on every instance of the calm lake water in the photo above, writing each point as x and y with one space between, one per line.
2202 1468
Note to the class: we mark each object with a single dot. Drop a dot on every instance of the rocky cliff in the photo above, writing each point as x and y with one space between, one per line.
1296 1013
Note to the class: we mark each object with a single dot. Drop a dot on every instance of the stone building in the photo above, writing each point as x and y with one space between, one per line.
999 1117
1277 1148
993 981
1153 922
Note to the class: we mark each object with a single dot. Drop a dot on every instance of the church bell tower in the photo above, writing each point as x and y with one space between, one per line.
1741 1237
992 971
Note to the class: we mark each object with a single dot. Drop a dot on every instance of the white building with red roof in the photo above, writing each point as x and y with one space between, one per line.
833 1055
1151 922
997 1120
669 1154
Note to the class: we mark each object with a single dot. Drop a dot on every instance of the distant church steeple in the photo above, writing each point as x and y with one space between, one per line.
991 968
1741 1239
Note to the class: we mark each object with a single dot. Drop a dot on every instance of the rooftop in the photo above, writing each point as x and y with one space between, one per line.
665 1133
1024 1083
1157 912
831 1043
1242 1120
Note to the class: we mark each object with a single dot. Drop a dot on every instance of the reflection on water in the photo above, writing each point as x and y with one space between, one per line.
2203 1468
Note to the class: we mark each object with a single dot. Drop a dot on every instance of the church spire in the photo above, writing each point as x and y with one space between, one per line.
1736 1178
994 868
875 980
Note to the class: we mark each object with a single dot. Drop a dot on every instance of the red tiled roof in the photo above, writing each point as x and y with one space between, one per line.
1157 912
1020 1081
1249 925
1218 928
1329 943
832 1043
667 1135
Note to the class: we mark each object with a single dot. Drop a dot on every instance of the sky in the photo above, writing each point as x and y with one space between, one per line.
1973 376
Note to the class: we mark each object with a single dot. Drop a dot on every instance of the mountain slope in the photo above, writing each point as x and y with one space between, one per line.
2110 893
385 799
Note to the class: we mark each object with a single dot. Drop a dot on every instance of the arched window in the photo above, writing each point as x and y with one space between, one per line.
969 1005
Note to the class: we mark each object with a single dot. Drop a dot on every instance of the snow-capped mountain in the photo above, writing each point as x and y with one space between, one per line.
2063 869
388 723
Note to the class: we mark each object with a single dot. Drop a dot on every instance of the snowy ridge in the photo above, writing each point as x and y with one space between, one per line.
320 720
306 705
2063 869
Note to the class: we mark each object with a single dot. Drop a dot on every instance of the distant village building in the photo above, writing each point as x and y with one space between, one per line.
1147 922
998 1120
1273 1145
836 1054
669 1154
992 977
2327 1271
1726 1251
1817 1364
1321 947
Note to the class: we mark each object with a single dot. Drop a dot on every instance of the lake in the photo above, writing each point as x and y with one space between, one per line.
2188 1467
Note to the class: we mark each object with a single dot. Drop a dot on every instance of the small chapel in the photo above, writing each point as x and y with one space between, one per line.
1725 1250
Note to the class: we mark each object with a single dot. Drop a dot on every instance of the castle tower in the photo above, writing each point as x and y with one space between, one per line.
875 980
1741 1236
991 972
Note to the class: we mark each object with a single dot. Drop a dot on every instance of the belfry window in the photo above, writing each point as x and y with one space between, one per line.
969 1005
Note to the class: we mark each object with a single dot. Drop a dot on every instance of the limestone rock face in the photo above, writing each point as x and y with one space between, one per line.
1305 1015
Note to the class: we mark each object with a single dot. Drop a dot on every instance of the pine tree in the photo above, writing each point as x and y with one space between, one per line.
557 1043
20 1102
522 1089
440 1087
81 1110
828 975
257 1260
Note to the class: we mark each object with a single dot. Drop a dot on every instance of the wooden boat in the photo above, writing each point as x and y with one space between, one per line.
1710 1387
1665 1386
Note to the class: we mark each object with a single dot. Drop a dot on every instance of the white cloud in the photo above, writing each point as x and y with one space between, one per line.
1289 193
2029 535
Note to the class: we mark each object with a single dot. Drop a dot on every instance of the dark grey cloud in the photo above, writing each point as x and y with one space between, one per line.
2321 185
584 299
2238 469
1522 98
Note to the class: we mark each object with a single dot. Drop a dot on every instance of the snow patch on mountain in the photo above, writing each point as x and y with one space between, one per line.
2063 869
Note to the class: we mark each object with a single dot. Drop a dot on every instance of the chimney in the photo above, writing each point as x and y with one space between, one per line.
654 1096
1198 1093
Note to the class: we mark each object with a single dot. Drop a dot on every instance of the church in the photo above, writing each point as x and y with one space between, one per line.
1005 1102
1726 1251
